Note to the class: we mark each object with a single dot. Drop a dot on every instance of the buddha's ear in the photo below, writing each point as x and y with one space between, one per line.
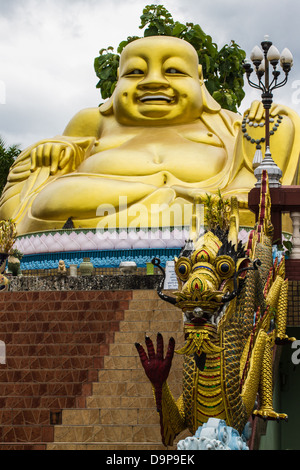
210 105
107 108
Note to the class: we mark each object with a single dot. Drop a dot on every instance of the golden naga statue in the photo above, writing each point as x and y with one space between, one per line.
160 141
234 304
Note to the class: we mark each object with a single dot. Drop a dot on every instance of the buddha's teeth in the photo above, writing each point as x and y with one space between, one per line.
155 98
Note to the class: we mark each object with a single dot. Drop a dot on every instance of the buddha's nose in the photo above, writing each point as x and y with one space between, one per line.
154 81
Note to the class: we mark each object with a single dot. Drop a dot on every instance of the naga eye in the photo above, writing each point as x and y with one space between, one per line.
225 266
183 268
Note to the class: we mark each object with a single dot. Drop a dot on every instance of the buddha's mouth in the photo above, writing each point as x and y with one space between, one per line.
156 99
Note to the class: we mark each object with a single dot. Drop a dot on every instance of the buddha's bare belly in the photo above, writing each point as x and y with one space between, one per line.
192 162
137 169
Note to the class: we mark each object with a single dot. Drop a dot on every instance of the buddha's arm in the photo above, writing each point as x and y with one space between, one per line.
284 139
47 159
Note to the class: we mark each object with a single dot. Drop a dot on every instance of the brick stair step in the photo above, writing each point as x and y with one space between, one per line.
131 416
25 318
144 294
133 389
120 402
54 362
27 434
105 297
75 294
110 416
25 416
107 433
49 350
45 376
114 446
13 446
81 416
40 390
56 326
25 338
50 402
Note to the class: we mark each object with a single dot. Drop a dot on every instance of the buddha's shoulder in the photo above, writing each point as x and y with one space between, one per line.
87 122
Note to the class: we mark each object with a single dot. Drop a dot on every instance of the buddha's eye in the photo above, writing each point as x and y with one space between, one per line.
135 72
172 70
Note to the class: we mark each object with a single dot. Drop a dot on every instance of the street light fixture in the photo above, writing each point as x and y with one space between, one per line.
263 60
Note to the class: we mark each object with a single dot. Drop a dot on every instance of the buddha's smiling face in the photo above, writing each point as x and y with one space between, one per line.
158 83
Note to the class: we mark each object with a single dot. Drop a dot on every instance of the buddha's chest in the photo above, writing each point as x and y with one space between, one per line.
147 154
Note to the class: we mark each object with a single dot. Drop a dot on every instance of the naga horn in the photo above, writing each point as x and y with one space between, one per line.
166 298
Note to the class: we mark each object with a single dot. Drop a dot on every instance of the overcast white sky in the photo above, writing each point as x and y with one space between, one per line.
47 51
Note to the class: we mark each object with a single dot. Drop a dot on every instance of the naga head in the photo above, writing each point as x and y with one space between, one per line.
209 278
210 272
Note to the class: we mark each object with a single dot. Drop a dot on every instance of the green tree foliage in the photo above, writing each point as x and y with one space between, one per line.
222 69
7 158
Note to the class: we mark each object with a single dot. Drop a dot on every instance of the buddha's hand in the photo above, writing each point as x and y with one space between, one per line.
256 112
157 367
56 155
61 154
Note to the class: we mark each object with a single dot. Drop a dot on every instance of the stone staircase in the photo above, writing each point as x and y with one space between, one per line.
56 342
120 413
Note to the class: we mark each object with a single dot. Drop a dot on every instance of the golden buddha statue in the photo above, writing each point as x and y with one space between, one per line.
158 144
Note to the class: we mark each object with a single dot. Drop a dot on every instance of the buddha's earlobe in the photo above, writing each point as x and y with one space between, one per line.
107 108
210 105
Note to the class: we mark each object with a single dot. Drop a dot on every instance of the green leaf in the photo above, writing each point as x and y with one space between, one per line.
217 95
178 29
207 63
151 31
229 99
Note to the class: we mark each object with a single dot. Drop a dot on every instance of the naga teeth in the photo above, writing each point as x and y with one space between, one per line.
198 313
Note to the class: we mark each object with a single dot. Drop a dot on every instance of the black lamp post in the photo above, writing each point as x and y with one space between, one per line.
267 82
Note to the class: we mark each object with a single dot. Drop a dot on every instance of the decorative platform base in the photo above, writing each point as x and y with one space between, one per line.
106 249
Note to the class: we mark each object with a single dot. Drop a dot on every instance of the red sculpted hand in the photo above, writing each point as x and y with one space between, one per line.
157 367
